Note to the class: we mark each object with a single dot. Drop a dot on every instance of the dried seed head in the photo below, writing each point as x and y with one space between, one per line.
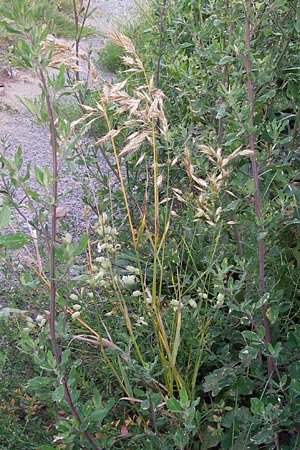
61 54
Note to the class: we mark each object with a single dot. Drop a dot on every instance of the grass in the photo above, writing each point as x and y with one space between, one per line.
110 57
67 108
60 22
59 19
25 422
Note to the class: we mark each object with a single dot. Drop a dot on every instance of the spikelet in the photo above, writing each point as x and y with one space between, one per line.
61 54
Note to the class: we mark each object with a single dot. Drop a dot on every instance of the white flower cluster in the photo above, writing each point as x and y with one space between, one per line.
128 280
76 307
185 301
102 270
108 235
141 322
31 324
103 275
220 298
202 295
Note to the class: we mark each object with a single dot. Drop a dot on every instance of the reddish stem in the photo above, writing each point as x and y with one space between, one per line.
261 244
52 316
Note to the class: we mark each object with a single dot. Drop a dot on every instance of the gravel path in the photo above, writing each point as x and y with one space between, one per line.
18 127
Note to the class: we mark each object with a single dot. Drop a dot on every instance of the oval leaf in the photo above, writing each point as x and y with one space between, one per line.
13 240
5 216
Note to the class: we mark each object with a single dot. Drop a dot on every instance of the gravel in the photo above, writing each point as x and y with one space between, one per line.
18 127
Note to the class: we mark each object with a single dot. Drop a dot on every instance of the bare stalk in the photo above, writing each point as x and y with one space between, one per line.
161 30
257 201
52 281
78 30
53 217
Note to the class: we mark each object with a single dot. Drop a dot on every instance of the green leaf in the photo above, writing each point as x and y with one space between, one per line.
59 252
272 314
251 336
257 406
51 360
38 382
173 405
222 111
184 398
274 351
24 48
145 405
58 394
219 379
46 447
30 105
9 28
232 206
210 440
181 438
13 240
100 414
33 194
270 94
293 90
5 216
261 235
65 357
297 23
18 158
263 437
186 44
225 60
248 353
81 244
244 386
39 175
5 13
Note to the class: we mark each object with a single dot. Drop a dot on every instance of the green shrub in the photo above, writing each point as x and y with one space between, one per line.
110 58
180 327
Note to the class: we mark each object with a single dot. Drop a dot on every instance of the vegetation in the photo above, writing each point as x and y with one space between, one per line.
58 15
111 57
172 321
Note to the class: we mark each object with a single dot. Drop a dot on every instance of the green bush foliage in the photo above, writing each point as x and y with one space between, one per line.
110 57
173 321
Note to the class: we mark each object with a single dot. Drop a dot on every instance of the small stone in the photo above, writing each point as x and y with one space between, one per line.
60 212
2 90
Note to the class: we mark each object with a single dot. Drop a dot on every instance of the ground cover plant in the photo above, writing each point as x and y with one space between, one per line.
172 321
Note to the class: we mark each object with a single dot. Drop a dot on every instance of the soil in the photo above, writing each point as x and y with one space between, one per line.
18 126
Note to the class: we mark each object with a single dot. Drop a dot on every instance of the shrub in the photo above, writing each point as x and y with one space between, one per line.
110 58
180 325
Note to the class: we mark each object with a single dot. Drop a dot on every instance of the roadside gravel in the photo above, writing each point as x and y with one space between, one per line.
18 126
